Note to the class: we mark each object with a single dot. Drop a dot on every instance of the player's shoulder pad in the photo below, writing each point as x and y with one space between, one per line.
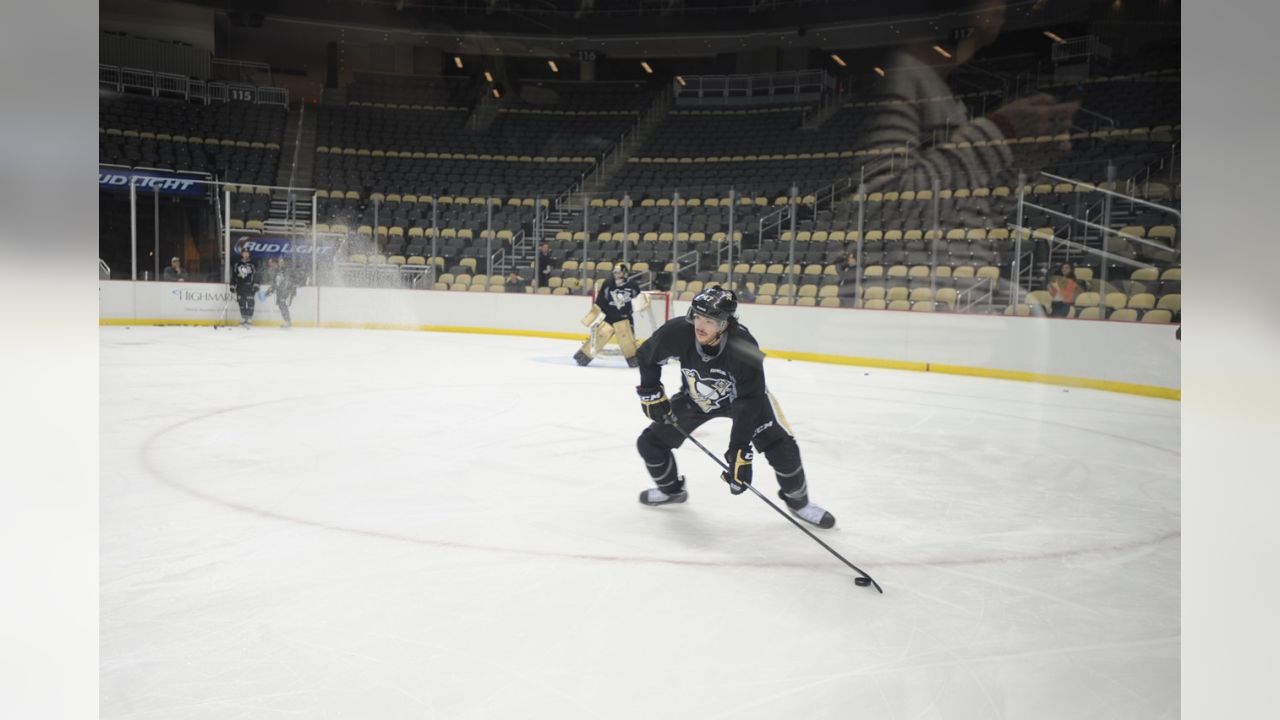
743 345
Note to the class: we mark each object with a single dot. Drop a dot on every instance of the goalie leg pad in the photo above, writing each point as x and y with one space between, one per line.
600 335
626 338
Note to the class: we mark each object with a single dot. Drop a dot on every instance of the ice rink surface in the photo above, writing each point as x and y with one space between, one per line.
374 524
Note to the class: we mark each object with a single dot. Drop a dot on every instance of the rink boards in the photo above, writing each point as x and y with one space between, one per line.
1131 358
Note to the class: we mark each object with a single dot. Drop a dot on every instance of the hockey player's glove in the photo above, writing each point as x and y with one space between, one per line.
654 403
739 477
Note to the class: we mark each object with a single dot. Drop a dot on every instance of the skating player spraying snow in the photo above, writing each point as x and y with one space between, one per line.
284 286
614 300
723 372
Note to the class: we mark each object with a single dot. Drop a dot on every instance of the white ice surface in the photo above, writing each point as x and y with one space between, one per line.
365 524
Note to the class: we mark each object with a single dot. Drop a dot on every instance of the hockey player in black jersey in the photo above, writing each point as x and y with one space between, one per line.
613 300
244 283
723 372
283 286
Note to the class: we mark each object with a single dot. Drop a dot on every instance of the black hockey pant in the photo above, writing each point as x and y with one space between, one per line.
244 298
770 439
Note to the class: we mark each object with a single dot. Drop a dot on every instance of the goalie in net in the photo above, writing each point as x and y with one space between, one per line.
612 318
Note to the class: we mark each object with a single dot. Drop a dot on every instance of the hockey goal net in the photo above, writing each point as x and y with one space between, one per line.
650 310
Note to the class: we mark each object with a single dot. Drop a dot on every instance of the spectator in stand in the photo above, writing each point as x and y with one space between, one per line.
849 275
544 265
1062 291
514 283
175 273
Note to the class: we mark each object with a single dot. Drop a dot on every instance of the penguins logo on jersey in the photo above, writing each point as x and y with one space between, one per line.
244 271
709 394
620 298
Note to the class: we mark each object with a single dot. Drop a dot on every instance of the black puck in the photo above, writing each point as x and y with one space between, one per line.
862 582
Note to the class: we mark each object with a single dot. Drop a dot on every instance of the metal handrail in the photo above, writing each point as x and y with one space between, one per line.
1122 196
137 78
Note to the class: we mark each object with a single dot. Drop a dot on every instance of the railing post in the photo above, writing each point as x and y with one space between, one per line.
376 205
626 235
1015 268
156 223
435 228
315 251
862 221
933 244
791 254
1106 222
537 242
133 226
488 241
730 238
675 239
586 240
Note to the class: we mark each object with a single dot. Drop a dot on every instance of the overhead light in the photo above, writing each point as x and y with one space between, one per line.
941 51
1054 37
839 60
496 93
646 67
879 71
680 79
488 76
553 66
457 60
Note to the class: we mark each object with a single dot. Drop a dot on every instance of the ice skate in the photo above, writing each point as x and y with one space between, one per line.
654 496
810 513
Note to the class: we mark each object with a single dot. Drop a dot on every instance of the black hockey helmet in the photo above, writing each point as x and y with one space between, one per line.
714 302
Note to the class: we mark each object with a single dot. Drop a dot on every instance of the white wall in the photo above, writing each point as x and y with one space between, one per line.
1146 355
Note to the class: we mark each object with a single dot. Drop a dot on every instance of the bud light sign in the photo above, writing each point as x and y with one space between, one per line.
167 183
269 246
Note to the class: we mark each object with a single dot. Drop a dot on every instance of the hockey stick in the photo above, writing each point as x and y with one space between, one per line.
225 305
778 510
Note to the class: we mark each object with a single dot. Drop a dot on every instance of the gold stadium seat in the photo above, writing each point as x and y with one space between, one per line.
1171 302
923 294
946 296
1157 316
1087 300
1142 301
